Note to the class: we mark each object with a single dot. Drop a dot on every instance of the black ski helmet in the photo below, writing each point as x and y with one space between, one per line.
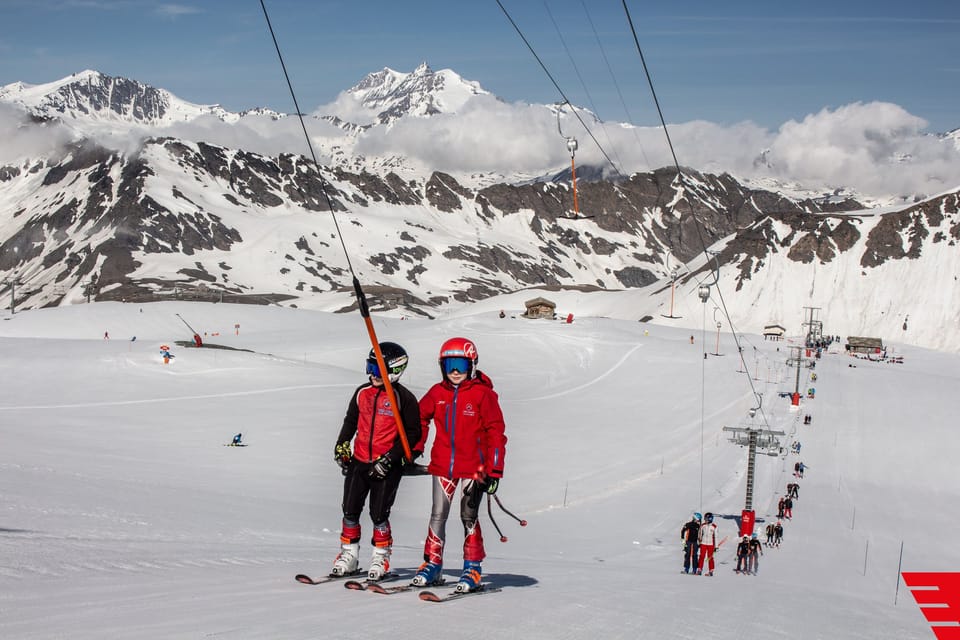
395 358
708 517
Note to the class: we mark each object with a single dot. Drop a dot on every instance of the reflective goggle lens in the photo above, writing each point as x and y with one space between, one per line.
374 370
461 365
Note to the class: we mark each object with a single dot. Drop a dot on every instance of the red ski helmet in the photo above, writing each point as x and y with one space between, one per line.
459 348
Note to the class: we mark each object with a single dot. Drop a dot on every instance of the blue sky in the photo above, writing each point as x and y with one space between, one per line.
723 62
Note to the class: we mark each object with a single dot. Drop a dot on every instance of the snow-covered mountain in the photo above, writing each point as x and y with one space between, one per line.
91 95
184 218
424 92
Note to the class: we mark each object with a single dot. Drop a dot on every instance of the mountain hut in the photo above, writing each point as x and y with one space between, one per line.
540 308
860 344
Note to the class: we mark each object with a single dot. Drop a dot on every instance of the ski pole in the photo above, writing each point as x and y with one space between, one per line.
522 522
503 538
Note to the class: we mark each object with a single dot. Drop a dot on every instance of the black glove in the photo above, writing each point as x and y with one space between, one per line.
490 485
343 456
380 467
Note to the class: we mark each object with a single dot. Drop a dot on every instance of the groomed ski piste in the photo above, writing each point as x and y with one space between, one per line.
123 515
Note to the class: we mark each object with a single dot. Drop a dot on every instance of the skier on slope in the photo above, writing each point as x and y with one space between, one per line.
688 534
708 543
755 550
469 446
375 465
743 554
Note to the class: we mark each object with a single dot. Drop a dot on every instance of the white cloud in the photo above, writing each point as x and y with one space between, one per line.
23 139
876 147
255 133
175 10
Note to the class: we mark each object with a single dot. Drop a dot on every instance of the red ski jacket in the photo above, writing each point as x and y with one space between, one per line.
470 430
370 418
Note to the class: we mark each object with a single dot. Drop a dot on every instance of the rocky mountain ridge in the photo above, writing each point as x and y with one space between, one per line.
182 218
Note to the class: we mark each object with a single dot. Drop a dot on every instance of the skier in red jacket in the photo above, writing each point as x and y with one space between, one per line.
375 465
469 445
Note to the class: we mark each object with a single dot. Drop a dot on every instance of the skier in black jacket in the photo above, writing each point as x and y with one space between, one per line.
688 534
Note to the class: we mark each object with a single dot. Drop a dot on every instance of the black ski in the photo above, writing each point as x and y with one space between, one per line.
430 596
305 579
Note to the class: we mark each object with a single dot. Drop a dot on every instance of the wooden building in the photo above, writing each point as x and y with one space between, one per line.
773 332
540 308
860 344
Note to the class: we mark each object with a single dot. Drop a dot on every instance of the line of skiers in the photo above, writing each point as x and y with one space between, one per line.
468 450
699 538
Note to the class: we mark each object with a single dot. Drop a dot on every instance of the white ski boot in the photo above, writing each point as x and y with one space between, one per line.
379 563
347 561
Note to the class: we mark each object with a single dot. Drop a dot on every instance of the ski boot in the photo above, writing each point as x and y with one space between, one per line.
429 573
379 563
470 578
347 560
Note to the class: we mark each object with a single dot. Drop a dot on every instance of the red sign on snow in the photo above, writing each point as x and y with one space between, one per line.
938 595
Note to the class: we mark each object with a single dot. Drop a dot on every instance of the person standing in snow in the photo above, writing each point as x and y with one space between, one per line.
688 534
374 467
469 446
800 468
755 550
743 553
770 534
780 506
788 508
777 533
707 538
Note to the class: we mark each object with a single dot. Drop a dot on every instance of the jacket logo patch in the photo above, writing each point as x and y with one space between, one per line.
469 410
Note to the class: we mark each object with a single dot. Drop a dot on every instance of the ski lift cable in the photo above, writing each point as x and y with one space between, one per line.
576 69
559 90
616 85
676 163
358 290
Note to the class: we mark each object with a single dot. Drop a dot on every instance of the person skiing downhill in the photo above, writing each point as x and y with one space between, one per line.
688 534
374 466
469 446
708 543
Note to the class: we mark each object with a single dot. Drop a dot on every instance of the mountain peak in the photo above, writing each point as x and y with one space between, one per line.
93 95
423 92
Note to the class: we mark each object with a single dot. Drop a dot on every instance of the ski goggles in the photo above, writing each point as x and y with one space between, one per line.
460 365
374 370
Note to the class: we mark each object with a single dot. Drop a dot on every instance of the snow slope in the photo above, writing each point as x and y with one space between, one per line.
122 515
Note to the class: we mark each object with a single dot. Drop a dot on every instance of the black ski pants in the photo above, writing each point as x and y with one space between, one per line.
358 485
